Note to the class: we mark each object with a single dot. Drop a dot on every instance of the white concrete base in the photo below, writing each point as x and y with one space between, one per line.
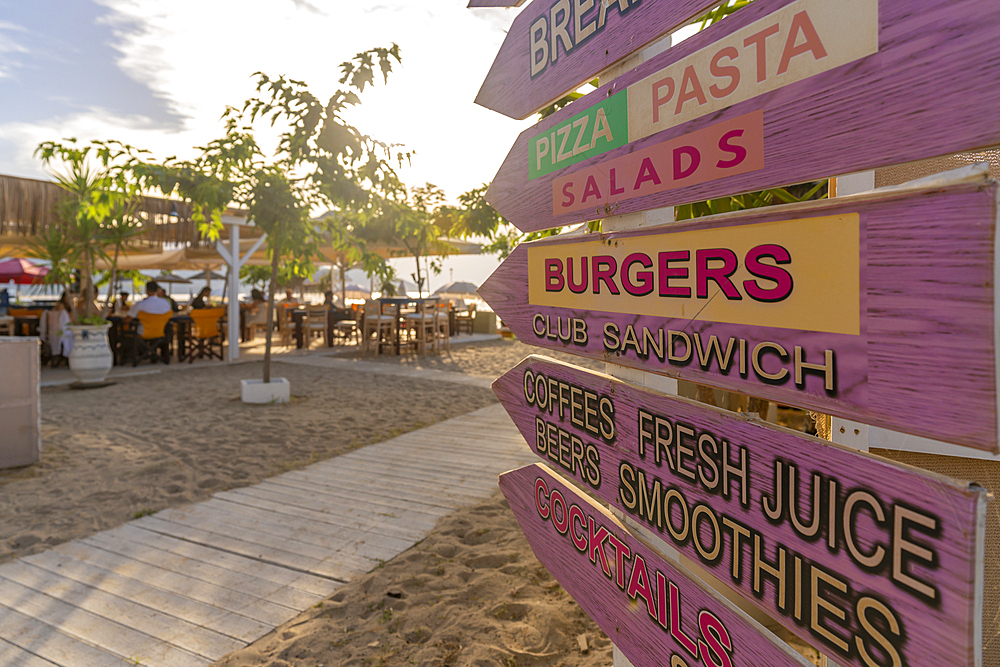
255 391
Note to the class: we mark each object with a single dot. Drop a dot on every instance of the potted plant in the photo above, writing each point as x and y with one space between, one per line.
94 216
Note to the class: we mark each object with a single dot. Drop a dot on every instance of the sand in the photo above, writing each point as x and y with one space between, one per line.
471 593
112 454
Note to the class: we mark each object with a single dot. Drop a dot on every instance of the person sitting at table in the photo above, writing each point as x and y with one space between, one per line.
152 304
200 301
331 302
289 299
162 293
121 306
257 296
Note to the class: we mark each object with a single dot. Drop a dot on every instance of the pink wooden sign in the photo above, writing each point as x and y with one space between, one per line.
812 95
872 562
555 46
654 611
863 307
495 3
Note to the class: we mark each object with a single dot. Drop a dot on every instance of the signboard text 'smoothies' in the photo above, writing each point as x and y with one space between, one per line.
856 554
782 91
654 611
862 307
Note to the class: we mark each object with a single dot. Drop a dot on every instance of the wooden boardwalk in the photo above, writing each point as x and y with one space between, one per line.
188 585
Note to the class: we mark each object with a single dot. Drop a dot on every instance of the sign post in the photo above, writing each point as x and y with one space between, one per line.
782 91
831 542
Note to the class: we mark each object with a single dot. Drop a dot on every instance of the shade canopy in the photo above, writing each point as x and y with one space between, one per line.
21 271
168 277
458 289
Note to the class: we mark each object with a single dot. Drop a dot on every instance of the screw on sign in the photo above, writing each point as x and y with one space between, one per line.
653 610
782 91
730 301
871 562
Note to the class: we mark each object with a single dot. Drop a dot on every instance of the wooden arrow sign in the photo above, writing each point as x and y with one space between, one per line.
494 3
555 46
782 91
773 514
653 610
867 307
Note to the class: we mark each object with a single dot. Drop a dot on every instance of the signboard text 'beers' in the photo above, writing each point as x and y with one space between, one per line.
844 306
653 610
872 562
782 91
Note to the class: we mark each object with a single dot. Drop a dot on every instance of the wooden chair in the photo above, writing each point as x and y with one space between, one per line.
316 323
256 320
374 321
149 337
442 330
285 324
207 333
465 321
6 325
423 324
344 325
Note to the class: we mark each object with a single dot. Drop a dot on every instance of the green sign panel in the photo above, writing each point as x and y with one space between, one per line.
597 130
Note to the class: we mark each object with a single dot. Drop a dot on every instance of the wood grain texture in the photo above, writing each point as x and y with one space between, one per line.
932 89
924 362
494 3
929 628
648 636
509 87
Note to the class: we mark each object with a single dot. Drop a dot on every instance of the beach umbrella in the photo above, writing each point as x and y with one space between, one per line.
356 291
21 271
167 277
457 289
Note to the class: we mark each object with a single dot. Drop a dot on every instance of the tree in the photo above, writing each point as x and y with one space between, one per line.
97 213
321 162
417 221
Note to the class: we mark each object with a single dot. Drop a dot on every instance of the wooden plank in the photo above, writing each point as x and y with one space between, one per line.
911 298
494 3
625 587
289 534
168 602
468 479
229 524
691 473
214 565
51 645
809 108
264 492
162 626
13 656
418 518
264 553
553 48
227 599
91 628
319 484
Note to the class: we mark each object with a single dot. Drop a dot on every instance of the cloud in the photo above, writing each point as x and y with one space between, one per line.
308 6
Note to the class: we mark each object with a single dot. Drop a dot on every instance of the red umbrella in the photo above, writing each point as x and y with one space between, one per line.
21 271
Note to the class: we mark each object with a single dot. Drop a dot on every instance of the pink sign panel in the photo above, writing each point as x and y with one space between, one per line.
897 81
871 562
555 46
870 308
654 611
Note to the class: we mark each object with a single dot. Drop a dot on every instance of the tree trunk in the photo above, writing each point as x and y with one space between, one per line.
109 306
87 280
420 280
343 284
272 286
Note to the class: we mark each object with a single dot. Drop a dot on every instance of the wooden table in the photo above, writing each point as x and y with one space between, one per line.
182 324
399 302
298 316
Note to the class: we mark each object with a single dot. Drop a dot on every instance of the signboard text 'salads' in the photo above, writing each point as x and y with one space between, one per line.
877 307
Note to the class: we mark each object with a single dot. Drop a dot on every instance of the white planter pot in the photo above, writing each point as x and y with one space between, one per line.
256 391
91 358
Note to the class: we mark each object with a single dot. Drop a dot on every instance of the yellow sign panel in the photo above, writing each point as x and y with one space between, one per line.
795 274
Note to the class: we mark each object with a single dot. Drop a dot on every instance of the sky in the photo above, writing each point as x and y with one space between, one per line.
158 74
